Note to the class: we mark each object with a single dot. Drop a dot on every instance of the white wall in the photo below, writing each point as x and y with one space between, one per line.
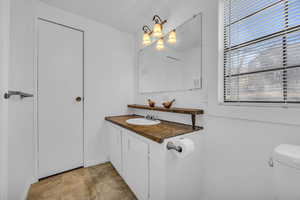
4 61
20 112
108 88
108 77
238 139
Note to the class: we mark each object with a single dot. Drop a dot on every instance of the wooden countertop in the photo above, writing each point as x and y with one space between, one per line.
157 133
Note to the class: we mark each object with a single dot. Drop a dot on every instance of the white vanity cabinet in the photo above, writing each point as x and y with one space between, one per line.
129 156
136 164
150 170
115 148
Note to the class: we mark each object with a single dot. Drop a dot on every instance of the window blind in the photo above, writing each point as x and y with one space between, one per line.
262 51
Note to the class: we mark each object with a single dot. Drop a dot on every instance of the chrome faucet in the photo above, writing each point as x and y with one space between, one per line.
151 117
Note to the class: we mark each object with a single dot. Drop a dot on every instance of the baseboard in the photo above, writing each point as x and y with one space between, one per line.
90 163
27 187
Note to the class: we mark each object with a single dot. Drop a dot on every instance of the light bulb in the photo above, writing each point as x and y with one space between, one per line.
160 44
172 37
157 30
146 39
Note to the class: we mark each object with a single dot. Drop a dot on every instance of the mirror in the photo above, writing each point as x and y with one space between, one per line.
177 67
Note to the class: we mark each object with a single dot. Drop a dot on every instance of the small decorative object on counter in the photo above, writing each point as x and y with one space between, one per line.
168 104
151 103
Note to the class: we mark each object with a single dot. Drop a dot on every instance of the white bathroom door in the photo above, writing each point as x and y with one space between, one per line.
60 98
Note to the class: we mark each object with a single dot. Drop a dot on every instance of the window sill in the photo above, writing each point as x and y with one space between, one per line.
275 114
262 105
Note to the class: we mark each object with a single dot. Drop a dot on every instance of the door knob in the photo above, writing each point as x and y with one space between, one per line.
78 99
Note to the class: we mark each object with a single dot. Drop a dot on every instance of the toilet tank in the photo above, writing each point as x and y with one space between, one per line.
286 160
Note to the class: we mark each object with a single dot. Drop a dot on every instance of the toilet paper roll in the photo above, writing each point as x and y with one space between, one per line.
187 146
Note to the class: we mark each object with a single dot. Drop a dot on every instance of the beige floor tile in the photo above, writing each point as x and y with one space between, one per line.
100 182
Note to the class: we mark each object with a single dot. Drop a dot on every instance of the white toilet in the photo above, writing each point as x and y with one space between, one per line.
286 161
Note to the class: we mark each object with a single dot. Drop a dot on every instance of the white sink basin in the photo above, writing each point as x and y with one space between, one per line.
142 122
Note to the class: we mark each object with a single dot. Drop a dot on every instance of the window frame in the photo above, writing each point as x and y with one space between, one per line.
221 71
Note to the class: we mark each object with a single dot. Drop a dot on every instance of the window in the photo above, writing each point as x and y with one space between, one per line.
262 51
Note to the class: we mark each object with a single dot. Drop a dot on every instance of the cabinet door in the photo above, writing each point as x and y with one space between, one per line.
136 164
115 148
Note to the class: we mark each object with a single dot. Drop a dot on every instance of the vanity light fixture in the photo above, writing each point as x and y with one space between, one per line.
172 37
160 44
146 36
157 30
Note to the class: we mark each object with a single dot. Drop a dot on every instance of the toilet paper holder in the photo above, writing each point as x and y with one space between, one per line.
170 146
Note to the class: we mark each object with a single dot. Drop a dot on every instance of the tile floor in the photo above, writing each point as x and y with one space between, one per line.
100 182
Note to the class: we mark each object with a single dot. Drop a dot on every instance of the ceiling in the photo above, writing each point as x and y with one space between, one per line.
125 15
